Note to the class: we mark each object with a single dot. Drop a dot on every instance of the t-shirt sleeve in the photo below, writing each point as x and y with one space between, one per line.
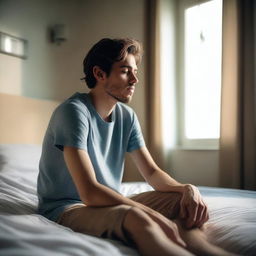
70 127
136 139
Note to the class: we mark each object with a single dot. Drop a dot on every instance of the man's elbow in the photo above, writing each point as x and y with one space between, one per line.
90 195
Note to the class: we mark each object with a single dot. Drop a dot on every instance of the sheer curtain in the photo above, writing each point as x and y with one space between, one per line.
238 112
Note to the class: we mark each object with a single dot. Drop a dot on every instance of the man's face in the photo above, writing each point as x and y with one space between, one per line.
122 79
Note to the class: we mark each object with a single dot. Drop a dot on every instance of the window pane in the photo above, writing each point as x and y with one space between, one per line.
203 70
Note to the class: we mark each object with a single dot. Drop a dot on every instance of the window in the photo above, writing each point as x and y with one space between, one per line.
200 76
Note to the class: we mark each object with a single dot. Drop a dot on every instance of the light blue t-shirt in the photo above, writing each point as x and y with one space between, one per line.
76 123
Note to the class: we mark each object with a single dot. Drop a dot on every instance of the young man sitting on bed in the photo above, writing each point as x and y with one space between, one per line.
82 160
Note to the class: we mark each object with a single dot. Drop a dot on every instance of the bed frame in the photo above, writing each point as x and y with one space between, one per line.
33 114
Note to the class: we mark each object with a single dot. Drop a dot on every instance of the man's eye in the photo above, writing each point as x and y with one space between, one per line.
125 71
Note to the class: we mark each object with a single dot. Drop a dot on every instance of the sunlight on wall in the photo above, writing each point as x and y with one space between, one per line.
10 74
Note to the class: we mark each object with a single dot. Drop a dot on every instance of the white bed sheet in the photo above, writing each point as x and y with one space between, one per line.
232 223
25 233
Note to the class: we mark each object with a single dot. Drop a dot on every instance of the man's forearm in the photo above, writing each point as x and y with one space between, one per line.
102 196
161 181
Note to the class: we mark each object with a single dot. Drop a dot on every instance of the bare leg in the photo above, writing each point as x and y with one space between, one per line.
168 204
149 237
197 242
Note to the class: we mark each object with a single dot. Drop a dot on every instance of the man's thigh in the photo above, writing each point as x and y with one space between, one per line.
105 222
166 203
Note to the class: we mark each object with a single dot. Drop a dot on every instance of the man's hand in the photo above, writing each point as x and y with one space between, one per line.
192 207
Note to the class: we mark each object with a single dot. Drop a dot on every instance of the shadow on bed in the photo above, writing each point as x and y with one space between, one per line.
16 208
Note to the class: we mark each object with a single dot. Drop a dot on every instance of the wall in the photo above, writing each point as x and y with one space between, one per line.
53 71
198 167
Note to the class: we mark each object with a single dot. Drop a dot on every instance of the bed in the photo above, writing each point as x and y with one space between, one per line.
232 223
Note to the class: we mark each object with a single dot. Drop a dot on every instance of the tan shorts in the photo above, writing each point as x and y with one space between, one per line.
107 222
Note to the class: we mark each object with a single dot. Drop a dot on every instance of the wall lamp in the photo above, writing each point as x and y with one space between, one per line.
58 34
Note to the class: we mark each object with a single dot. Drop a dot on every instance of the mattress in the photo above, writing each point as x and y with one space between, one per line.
232 223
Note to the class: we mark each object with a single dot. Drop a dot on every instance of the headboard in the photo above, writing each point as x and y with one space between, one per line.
24 120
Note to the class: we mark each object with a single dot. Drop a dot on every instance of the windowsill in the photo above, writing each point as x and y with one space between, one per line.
198 148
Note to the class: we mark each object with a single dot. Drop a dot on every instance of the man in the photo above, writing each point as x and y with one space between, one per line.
82 164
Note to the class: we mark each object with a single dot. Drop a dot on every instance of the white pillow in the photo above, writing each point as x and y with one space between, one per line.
25 156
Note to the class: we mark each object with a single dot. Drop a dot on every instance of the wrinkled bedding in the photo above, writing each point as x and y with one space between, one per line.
232 223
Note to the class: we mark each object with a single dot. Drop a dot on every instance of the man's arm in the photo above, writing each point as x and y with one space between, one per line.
95 194
193 209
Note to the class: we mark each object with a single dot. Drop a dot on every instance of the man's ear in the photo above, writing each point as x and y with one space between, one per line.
98 73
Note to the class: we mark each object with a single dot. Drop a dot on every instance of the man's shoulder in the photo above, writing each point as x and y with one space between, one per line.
125 109
76 101
126 114
76 104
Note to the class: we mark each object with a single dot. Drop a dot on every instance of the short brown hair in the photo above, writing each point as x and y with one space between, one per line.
106 52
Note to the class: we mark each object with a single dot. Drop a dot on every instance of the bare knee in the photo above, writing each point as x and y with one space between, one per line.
137 221
190 233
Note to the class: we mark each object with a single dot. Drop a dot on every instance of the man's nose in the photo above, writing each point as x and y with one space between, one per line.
134 79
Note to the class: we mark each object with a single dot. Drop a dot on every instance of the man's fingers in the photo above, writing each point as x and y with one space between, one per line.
183 212
205 217
192 214
200 214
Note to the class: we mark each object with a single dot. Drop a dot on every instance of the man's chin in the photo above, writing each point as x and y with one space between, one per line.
122 99
126 100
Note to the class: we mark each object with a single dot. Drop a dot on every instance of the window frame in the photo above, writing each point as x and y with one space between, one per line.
183 141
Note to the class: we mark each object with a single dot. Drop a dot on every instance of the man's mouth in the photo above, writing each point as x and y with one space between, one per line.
131 89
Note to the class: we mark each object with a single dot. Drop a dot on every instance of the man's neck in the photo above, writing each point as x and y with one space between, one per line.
103 104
